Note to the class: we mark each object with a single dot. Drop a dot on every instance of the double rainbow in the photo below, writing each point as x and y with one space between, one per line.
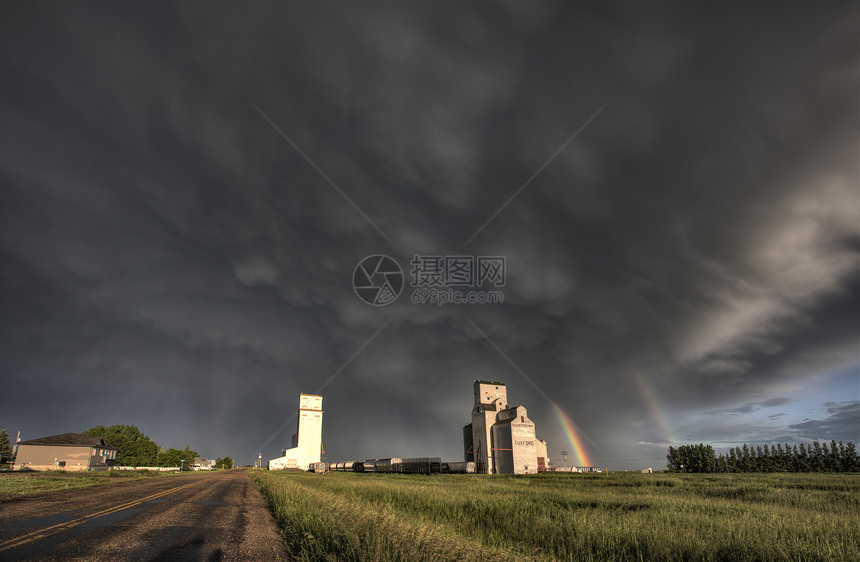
649 396
574 435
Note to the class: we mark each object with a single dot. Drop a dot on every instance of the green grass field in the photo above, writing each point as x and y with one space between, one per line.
26 483
625 516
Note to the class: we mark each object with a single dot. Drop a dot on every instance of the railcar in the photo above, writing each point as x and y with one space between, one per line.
421 465
458 467
388 465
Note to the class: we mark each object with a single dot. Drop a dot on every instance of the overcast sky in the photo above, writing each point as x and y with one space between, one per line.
188 189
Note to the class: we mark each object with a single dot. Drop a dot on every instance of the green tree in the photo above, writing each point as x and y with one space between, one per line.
673 459
176 457
850 459
833 462
817 463
746 464
802 459
692 458
169 457
188 455
135 448
780 458
759 462
226 462
732 461
709 457
5 447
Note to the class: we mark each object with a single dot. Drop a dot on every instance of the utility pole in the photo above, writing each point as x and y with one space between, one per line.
564 456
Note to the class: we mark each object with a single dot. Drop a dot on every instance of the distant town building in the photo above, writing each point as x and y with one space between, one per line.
67 451
202 463
501 438
307 441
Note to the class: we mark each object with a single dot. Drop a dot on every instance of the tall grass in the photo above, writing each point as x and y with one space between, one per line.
566 517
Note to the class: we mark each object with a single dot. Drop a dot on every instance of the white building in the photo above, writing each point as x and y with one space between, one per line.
202 463
501 438
307 441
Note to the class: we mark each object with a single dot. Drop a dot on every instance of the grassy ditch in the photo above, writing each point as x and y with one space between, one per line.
624 516
26 483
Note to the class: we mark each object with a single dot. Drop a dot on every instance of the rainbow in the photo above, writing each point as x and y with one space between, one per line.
650 399
573 434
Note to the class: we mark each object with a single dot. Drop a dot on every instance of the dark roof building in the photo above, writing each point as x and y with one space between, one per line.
67 451
68 439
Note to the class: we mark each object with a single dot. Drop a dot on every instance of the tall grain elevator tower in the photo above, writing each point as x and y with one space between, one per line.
501 438
307 441
490 399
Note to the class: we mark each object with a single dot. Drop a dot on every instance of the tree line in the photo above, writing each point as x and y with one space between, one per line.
137 449
5 447
815 457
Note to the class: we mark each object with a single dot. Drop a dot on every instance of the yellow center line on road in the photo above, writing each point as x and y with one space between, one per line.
60 527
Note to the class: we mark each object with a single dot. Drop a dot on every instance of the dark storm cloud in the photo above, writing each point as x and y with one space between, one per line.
775 402
843 423
752 406
169 259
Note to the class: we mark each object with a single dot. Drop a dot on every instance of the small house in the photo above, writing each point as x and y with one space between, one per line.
68 451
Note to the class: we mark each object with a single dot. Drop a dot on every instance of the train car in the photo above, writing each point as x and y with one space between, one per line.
369 465
318 467
421 465
458 467
388 465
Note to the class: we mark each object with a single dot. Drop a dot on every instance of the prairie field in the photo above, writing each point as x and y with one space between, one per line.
623 516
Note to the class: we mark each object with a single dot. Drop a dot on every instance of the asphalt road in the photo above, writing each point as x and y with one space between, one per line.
199 516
